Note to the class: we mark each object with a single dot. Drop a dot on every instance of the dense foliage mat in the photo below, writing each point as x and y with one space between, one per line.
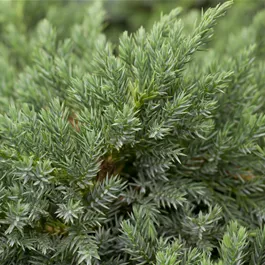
154 155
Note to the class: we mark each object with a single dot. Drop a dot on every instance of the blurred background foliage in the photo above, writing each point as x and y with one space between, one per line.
121 15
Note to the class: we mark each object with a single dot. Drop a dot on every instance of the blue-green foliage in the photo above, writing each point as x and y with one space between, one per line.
152 154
